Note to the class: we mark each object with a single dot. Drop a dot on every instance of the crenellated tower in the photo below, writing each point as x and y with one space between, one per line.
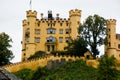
75 17
111 37
28 45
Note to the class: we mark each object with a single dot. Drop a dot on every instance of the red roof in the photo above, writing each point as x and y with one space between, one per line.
117 36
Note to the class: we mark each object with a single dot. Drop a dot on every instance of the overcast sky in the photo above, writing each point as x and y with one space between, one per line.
12 12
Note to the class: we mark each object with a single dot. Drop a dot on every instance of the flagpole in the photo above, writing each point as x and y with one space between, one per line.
30 4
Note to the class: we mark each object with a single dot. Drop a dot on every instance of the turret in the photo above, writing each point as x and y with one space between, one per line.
74 16
28 45
111 32
111 37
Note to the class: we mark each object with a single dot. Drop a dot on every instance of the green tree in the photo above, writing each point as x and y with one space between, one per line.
77 47
93 31
5 53
37 55
106 68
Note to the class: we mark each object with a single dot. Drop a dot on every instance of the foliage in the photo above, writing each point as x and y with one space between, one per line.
93 31
59 53
39 72
24 74
106 68
77 70
37 55
77 47
5 53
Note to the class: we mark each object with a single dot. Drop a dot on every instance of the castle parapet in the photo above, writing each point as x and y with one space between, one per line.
31 14
111 22
75 12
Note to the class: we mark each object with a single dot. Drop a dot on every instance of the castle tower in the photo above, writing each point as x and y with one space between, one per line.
75 17
110 48
28 45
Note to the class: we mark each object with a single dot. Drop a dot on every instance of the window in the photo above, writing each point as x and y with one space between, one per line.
60 39
37 39
48 24
60 24
119 46
67 31
48 47
51 31
109 36
53 24
109 44
67 39
37 31
78 22
53 47
66 24
51 39
61 31
27 39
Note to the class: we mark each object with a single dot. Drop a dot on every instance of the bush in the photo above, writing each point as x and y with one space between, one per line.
24 74
37 55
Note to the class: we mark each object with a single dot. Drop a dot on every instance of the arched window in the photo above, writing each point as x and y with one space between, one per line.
51 39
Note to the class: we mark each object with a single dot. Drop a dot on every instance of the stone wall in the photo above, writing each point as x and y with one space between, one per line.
42 62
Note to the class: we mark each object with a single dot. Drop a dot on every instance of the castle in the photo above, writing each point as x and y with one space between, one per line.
113 40
52 34
48 33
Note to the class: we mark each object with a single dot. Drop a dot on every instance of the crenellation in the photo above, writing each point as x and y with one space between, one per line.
31 13
111 22
30 63
75 12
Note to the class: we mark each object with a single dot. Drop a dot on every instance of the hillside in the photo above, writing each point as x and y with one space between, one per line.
77 70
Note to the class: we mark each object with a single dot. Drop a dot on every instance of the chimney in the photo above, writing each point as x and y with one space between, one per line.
57 16
50 15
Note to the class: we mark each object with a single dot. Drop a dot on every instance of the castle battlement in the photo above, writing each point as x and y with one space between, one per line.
31 13
75 12
55 21
34 63
111 22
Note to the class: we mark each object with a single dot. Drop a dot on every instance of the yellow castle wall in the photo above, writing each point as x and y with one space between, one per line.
33 64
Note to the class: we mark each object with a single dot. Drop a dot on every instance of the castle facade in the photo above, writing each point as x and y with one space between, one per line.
48 33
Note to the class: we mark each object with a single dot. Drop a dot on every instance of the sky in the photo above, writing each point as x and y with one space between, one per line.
12 12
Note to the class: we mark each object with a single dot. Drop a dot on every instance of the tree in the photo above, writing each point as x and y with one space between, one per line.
106 68
5 53
77 47
37 55
93 31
